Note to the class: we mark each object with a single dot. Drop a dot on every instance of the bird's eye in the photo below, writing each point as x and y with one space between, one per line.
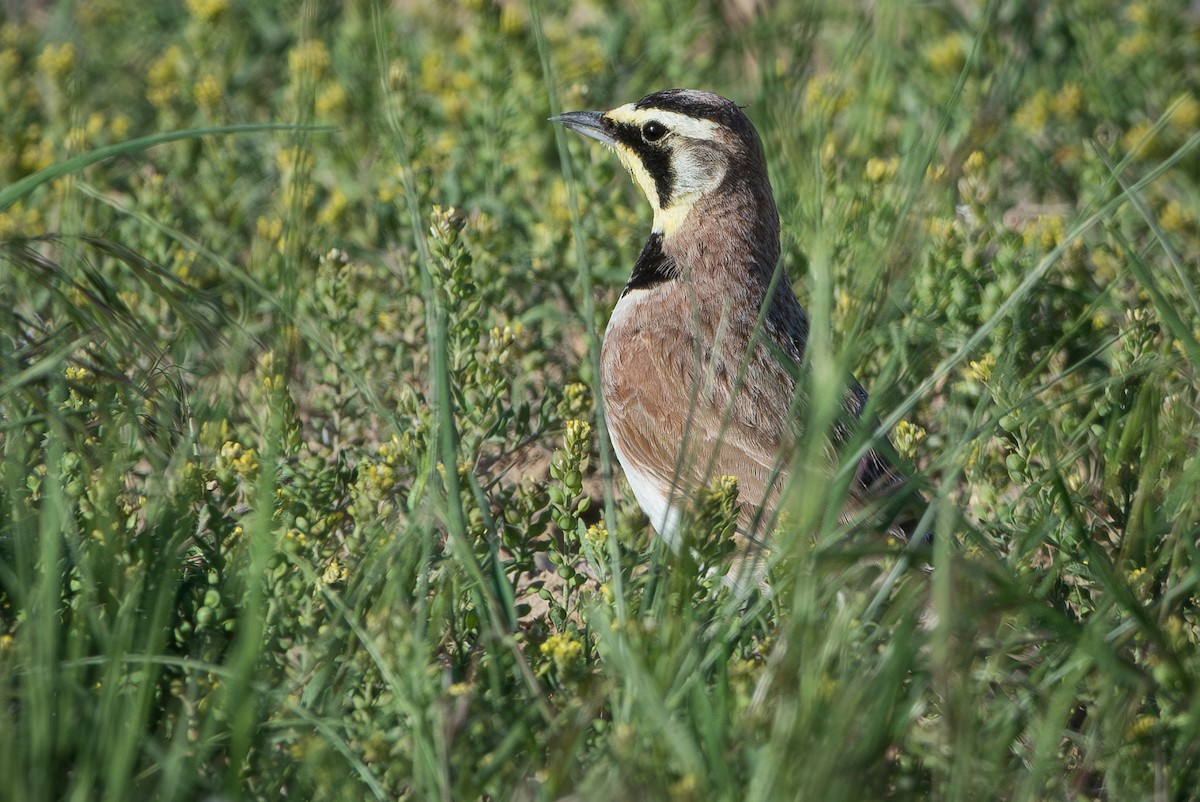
653 131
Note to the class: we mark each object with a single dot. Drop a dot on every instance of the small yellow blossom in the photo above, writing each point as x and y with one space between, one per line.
563 649
511 20
333 573
75 141
10 34
207 10
19 221
1138 139
828 152
1184 111
826 94
908 437
1138 14
1044 232
981 371
596 535
1068 101
37 156
94 126
293 159
1136 44
208 92
163 76
974 163
119 126
578 434
240 459
878 170
1174 217
309 59
939 228
334 208
686 787
1034 113
1142 726
10 60
576 401
57 60
330 100
269 229
947 54
843 304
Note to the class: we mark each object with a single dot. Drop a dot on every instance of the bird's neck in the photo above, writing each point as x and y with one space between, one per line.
730 238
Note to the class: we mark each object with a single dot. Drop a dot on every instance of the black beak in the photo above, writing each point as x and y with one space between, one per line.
589 123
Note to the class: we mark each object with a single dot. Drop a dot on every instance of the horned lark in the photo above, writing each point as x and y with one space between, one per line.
701 357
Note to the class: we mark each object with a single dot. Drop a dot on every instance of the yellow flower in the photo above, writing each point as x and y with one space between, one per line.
57 60
119 126
908 437
10 34
843 304
162 76
1142 725
511 21
1136 44
1045 231
207 10
879 170
1034 112
10 59
208 92
939 228
239 458
981 371
578 434
268 229
75 141
293 159
947 54
334 207
1068 100
825 93
1174 217
16 220
562 648
308 59
1138 14
1138 139
1185 114
37 156
333 573
330 100
974 163
597 535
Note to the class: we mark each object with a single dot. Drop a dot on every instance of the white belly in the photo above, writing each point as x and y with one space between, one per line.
649 491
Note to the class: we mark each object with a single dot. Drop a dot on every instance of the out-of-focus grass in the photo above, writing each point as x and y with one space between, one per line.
302 493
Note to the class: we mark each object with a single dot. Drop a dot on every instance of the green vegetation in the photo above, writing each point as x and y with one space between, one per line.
303 491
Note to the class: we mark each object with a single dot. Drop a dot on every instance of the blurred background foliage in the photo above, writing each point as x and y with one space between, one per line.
303 491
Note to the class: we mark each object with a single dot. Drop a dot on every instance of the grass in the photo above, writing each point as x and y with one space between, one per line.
303 490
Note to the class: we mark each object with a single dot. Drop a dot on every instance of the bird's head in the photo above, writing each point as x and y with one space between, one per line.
681 146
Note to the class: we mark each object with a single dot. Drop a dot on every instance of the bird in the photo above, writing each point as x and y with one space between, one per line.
701 360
